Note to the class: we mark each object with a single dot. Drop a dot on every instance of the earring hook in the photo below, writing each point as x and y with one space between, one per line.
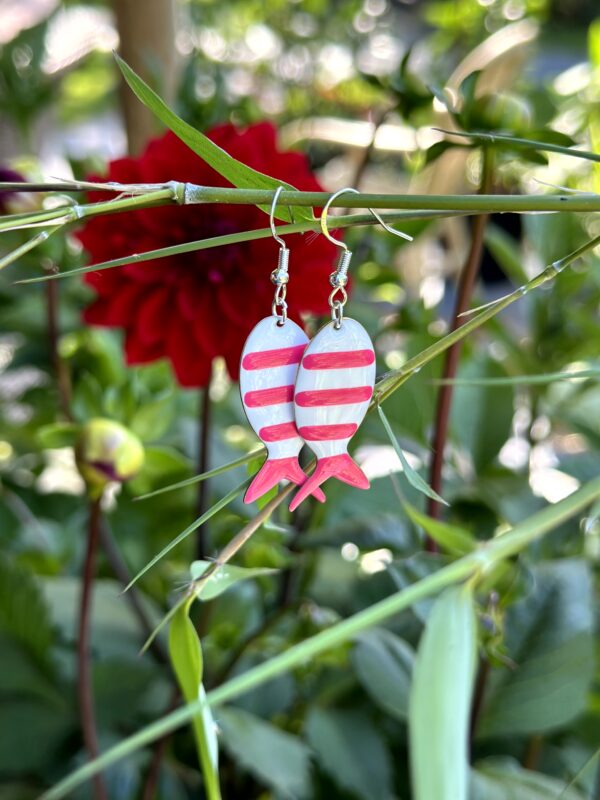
279 276
380 220
277 238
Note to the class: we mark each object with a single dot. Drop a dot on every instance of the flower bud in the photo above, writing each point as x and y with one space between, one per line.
106 451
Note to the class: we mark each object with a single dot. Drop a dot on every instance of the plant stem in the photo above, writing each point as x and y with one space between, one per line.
478 562
464 292
84 667
204 421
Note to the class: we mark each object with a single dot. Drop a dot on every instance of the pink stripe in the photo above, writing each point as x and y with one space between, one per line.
345 358
277 433
333 397
269 397
320 433
274 358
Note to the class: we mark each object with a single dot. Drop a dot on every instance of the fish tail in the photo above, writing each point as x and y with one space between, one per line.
341 467
275 470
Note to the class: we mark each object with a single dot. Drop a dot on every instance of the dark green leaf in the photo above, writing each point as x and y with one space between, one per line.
352 751
475 407
550 639
383 664
455 540
274 757
505 779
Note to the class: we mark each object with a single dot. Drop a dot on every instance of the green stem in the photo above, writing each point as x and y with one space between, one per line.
191 194
478 562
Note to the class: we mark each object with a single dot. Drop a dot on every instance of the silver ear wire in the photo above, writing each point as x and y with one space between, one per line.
280 275
339 278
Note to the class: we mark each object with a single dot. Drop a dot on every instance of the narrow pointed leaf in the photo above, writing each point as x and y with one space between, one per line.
239 174
525 380
412 476
224 501
532 144
451 538
238 462
440 699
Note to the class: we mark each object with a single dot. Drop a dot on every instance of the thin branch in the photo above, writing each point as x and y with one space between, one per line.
204 420
464 293
84 666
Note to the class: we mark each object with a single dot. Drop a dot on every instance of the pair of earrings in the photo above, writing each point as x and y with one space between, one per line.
318 392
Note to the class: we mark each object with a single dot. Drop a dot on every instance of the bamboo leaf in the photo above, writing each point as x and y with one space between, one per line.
224 501
525 380
452 538
440 699
239 174
532 144
224 578
186 657
238 462
185 652
412 476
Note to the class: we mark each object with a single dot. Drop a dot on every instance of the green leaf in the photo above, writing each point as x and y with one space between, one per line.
24 615
412 476
505 779
224 501
526 380
275 758
225 577
153 419
455 540
205 475
475 407
185 653
239 174
383 663
550 639
352 751
440 699
186 657
506 250
58 434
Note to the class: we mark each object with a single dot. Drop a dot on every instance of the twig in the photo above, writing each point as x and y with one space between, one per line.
204 420
84 668
468 276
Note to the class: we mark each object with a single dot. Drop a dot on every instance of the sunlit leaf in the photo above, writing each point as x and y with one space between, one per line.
440 699
225 577
239 174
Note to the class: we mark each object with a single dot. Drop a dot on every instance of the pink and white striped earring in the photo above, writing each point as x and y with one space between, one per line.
269 364
335 382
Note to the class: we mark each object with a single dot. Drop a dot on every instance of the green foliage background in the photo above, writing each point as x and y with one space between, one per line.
335 726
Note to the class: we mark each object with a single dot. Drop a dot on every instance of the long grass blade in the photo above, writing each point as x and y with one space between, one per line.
224 501
238 462
531 144
523 380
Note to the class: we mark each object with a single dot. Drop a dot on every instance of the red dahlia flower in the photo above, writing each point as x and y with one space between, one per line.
190 308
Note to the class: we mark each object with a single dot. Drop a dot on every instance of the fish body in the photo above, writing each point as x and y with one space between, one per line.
269 365
334 386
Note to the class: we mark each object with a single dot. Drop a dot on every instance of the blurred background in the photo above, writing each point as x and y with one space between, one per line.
361 89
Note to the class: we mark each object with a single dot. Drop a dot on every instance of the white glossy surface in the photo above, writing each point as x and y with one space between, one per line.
267 335
351 336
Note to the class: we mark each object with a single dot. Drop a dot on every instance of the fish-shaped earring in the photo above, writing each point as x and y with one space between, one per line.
335 382
269 364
